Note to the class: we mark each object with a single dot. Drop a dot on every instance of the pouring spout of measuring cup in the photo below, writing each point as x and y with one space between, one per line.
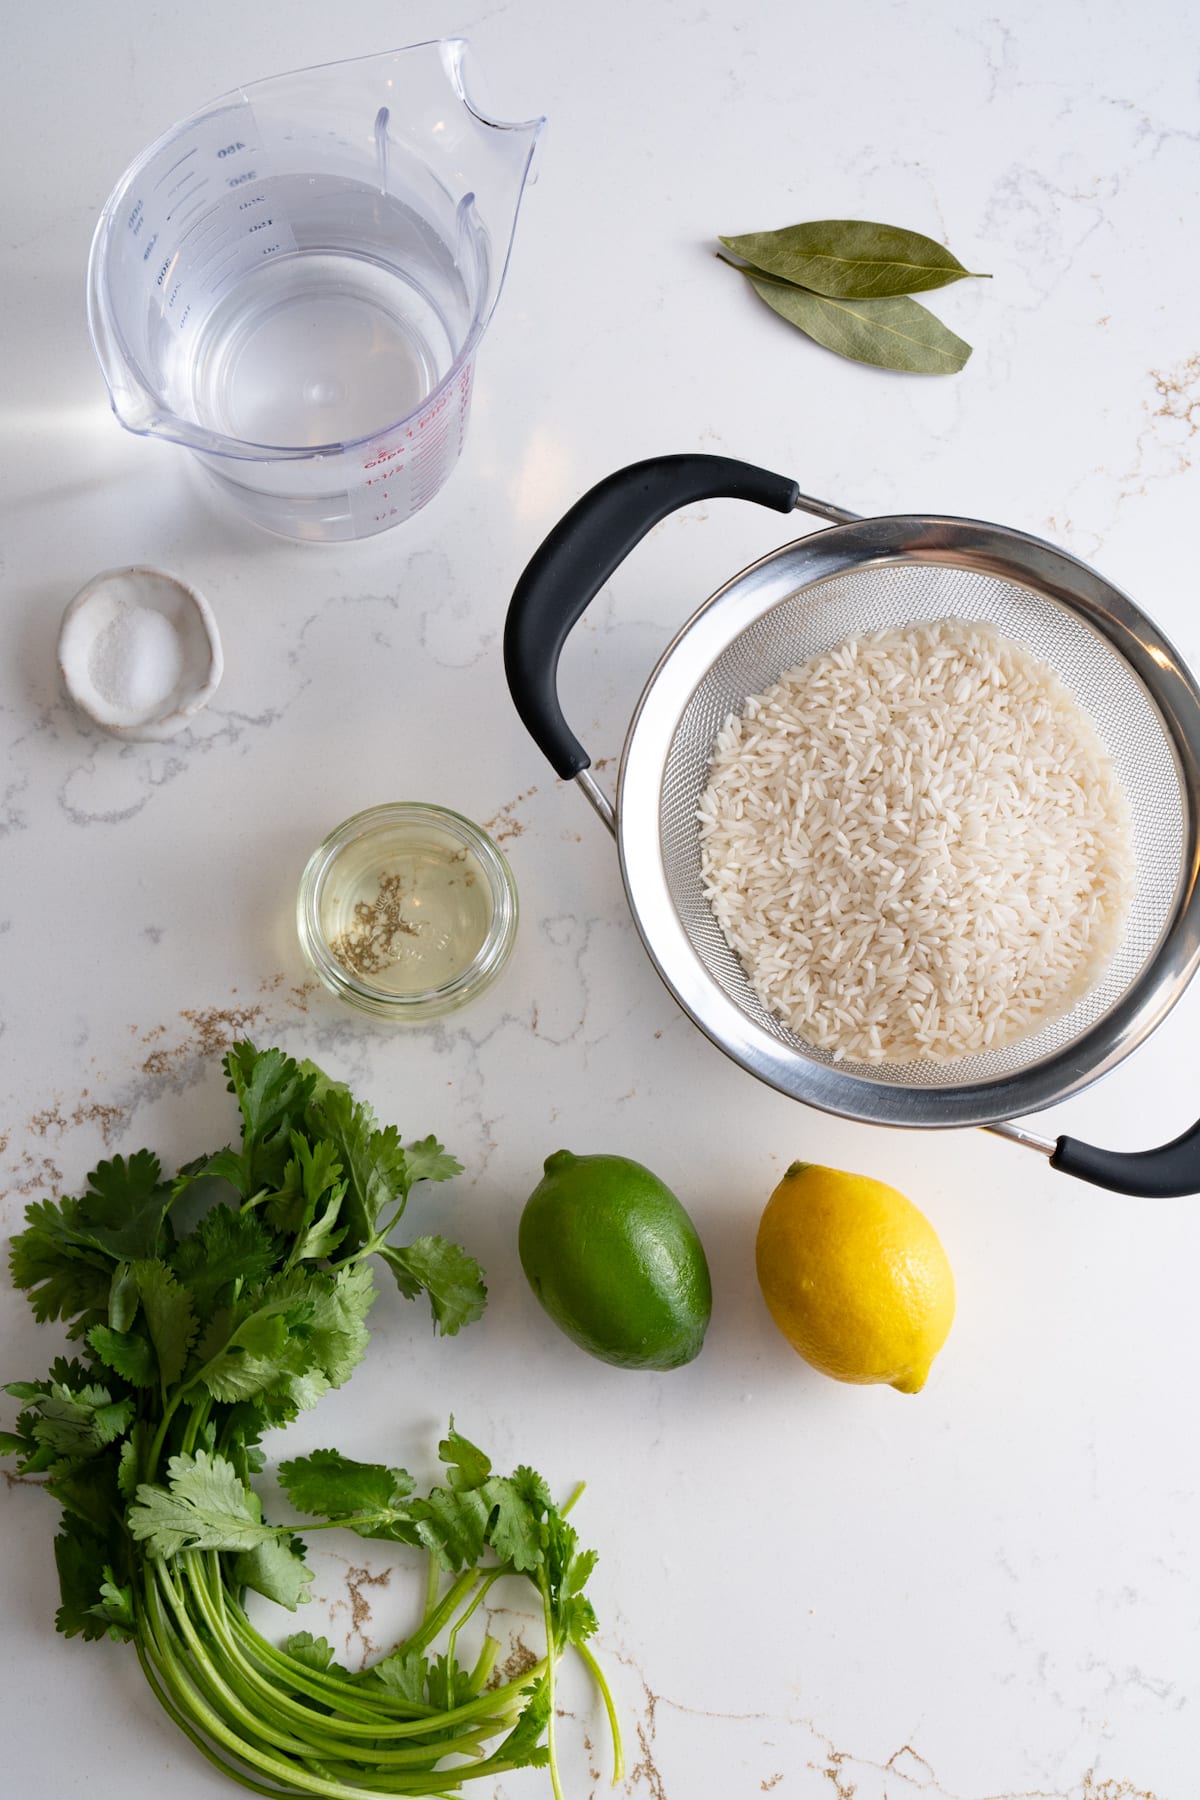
293 284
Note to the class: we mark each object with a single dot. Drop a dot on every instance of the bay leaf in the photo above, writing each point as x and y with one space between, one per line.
851 259
896 333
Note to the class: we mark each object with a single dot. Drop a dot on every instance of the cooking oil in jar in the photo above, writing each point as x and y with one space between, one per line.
407 910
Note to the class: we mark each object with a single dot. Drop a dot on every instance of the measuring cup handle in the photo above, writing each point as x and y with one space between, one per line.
586 546
1167 1173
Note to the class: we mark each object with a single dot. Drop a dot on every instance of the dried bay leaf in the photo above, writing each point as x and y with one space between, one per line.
851 259
895 333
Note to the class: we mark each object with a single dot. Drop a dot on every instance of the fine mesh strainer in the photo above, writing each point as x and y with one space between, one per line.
865 575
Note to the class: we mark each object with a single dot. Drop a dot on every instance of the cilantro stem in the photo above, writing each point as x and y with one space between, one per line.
485 1719
377 1711
189 1696
484 1664
164 1425
551 1734
343 1522
253 1685
376 1708
614 1723
192 1430
452 1637
196 1424
159 1690
220 1692
486 1713
444 1611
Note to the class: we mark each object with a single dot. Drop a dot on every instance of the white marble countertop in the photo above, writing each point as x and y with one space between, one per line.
988 1592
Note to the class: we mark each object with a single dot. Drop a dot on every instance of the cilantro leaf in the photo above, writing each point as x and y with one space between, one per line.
88 1488
452 1279
314 1653
567 1570
307 1205
64 1257
339 1330
129 1468
63 1274
276 1568
34 1459
578 1571
576 1620
310 1172
245 1352
71 1374
467 1465
81 1422
303 1333
271 1088
125 1207
428 1161
372 1161
453 1526
122 1298
448 1683
115 1607
83 1559
227 1247
379 1171
127 1353
38 1449
332 1486
520 1503
324 1235
169 1317
205 1507
272 1092
523 1748
517 1503
404 1673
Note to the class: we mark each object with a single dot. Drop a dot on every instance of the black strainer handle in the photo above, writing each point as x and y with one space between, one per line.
587 546
1167 1173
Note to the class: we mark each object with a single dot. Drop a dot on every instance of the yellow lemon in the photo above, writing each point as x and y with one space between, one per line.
855 1277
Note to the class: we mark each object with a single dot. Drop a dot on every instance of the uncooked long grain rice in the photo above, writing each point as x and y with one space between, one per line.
917 844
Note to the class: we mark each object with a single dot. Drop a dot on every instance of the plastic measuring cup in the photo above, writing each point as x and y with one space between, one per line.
293 283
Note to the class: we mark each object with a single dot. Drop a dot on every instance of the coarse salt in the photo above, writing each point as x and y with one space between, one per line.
136 660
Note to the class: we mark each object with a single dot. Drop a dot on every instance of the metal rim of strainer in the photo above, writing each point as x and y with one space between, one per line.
785 576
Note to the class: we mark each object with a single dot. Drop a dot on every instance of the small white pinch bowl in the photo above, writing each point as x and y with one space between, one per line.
139 652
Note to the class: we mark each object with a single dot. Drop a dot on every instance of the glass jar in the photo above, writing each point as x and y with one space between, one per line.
407 911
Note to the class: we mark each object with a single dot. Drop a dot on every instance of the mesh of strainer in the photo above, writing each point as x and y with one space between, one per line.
883 595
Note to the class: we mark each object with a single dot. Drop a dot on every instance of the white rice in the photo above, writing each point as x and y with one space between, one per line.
917 844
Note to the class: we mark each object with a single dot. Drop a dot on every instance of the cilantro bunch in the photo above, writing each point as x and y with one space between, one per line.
207 1310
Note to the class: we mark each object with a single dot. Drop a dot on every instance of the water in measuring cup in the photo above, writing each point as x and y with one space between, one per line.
338 338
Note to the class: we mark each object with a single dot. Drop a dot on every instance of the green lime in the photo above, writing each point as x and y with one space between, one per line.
616 1262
